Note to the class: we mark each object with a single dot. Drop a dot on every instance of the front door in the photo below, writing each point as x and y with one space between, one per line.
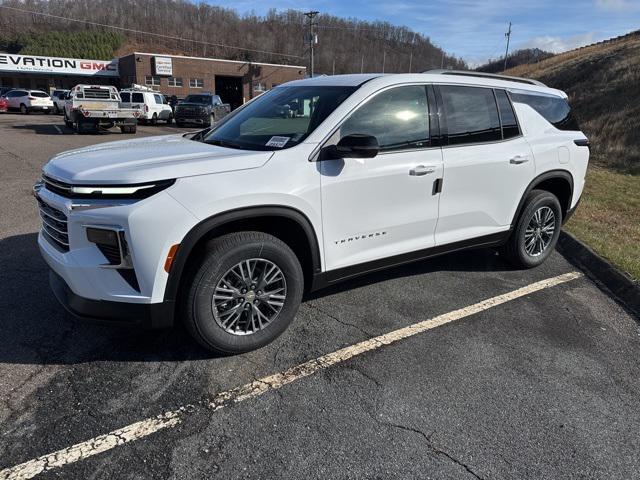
387 205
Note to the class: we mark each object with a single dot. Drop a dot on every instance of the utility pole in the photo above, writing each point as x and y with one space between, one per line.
384 59
313 38
410 60
362 64
508 35
442 61
333 70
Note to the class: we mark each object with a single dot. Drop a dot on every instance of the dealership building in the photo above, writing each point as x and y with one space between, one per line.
235 81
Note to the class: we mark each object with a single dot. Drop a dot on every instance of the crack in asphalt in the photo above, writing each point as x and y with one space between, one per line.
342 322
432 447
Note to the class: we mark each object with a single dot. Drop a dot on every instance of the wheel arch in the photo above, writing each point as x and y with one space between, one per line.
558 182
290 225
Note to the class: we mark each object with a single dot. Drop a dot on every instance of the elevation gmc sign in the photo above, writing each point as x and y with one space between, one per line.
62 66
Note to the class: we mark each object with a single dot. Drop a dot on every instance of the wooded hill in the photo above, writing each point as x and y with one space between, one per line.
603 84
519 57
346 45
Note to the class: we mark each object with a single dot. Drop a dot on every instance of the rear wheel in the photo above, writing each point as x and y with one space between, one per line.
56 110
244 293
154 119
537 230
23 109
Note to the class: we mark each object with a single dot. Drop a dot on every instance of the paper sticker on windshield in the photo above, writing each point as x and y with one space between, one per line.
278 142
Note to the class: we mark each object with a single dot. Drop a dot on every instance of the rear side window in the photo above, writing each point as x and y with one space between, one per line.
508 120
471 113
555 110
125 96
398 118
137 98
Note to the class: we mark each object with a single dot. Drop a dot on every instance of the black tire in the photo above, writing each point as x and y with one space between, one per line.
212 120
170 119
222 254
67 122
179 124
56 110
23 109
515 248
154 119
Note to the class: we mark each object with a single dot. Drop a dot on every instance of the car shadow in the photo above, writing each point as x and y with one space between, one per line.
36 330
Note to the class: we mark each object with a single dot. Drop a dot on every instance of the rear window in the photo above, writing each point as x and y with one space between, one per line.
471 114
555 110
39 95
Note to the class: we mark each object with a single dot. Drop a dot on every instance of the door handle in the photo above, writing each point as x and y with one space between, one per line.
518 159
422 170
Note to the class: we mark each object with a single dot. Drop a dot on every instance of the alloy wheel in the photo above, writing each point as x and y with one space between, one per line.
539 231
249 296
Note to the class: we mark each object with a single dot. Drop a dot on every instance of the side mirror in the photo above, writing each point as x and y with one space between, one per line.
357 146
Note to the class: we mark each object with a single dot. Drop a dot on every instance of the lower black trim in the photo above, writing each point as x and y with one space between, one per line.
562 174
151 315
570 212
322 280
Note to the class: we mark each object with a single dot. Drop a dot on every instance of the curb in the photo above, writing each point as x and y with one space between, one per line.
613 281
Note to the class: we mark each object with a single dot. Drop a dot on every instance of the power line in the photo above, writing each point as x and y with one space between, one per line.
131 30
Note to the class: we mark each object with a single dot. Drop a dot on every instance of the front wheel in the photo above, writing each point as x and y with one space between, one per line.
537 230
244 293
23 109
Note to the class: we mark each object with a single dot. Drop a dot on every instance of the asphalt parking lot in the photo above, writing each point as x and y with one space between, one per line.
542 383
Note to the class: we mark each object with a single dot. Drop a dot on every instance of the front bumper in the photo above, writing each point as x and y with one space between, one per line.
199 119
146 315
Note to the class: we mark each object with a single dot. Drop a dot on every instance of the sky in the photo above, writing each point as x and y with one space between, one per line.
474 29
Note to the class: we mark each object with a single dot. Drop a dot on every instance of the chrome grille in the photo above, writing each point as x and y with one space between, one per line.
54 226
57 186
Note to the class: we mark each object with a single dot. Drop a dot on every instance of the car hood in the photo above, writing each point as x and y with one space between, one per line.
189 104
149 159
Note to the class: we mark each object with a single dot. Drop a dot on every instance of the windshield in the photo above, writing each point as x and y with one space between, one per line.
280 118
39 94
198 99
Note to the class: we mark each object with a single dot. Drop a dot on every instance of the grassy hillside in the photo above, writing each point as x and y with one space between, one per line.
603 83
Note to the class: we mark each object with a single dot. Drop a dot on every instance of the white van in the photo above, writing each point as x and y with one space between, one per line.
152 104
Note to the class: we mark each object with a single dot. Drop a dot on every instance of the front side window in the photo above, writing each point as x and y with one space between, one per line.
398 118
555 110
280 118
158 99
196 83
471 114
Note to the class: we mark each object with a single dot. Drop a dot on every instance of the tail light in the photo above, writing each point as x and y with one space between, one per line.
31 98
146 109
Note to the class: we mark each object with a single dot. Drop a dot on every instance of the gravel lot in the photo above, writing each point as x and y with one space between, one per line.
543 386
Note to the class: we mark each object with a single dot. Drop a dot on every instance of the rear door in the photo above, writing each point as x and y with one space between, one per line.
377 208
487 163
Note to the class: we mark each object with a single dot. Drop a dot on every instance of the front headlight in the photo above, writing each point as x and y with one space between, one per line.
131 191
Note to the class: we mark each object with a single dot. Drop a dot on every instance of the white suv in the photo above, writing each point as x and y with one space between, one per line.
28 101
152 104
313 182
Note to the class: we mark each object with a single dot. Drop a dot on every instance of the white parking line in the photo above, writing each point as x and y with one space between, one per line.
144 428
58 129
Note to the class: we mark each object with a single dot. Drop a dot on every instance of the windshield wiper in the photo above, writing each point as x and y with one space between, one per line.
225 144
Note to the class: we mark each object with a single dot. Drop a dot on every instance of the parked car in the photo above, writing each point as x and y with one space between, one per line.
202 109
91 107
59 97
152 105
28 101
4 90
4 104
225 230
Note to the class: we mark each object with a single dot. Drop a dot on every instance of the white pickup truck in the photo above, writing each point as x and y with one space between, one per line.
90 107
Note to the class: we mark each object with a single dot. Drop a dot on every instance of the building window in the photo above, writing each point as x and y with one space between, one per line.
152 81
196 83
174 81
259 87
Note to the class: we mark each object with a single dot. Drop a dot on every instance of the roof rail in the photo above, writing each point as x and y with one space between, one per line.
468 73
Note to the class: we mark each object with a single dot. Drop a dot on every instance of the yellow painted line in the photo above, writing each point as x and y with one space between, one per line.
144 428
